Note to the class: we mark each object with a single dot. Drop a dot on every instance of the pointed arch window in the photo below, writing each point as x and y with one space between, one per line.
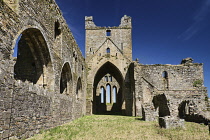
114 96
108 93
102 94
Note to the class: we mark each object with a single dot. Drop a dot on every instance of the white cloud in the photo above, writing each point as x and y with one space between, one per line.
199 21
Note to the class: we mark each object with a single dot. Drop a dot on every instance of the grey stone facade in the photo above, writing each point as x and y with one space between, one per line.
50 83
45 85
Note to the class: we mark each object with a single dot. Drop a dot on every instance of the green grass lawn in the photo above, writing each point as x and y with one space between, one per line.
110 127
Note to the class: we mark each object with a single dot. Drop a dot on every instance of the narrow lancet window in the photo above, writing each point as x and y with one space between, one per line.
102 94
108 93
114 96
165 80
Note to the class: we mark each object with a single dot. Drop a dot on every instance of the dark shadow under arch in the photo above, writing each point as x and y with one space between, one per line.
33 62
79 88
66 85
186 111
160 102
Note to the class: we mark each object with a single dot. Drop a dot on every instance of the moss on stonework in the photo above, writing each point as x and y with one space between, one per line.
197 83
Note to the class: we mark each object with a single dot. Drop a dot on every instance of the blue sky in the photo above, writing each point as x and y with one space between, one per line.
164 31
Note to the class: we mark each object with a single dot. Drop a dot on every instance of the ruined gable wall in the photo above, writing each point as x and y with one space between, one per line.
27 108
149 82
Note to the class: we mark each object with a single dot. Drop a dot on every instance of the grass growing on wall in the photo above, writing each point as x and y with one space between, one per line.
107 127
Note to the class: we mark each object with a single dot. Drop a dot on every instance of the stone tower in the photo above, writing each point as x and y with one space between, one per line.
109 57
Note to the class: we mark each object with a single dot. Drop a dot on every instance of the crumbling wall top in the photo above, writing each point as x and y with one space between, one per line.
187 60
89 22
125 23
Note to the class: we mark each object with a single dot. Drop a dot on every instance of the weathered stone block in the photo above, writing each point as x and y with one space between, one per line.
170 122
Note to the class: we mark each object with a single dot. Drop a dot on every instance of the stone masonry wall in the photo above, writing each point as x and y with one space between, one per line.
27 108
177 86
116 61
180 77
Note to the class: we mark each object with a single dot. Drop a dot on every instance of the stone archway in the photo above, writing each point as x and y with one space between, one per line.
108 76
33 62
66 80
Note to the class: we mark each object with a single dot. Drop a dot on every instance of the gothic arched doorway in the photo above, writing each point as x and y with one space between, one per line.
108 90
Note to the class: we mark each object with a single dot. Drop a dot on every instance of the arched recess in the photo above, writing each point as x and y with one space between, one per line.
160 102
98 107
33 62
79 88
188 111
66 85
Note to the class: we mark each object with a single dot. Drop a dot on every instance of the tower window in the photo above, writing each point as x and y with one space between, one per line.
108 32
108 50
165 75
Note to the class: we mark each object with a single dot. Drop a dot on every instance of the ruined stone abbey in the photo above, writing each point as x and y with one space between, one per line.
50 83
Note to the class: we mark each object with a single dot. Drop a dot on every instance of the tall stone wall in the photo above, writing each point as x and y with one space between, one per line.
28 106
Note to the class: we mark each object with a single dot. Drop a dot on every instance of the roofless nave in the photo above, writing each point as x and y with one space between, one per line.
50 83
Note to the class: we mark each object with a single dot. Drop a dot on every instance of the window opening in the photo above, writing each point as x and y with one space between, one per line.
15 54
79 88
165 79
108 50
106 79
57 29
108 32
114 95
110 78
102 94
65 79
165 75
108 93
